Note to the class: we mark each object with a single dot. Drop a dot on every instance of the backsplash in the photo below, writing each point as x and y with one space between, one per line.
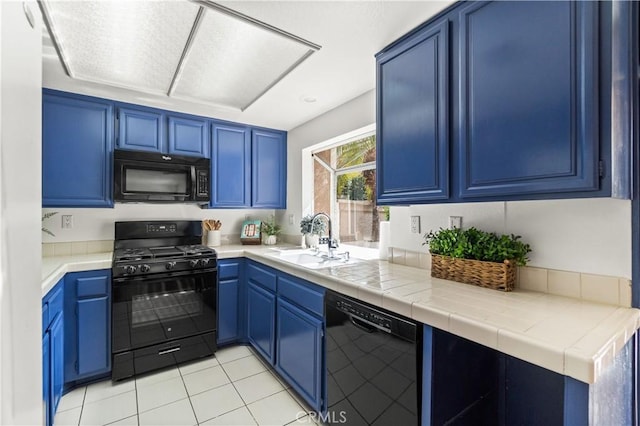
98 224
594 288
591 235
76 247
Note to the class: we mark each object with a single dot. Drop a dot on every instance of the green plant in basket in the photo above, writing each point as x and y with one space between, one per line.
475 244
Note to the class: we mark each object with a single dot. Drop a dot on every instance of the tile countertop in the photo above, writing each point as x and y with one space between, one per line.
572 337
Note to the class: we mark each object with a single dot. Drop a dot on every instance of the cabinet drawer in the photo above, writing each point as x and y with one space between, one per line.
262 276
228 270
301 294
93 286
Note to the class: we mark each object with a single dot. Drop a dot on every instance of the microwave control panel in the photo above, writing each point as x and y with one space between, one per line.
203 183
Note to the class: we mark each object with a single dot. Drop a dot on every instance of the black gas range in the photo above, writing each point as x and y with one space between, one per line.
153 260
163 296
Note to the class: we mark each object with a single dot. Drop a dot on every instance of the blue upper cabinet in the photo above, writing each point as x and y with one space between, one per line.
268 169
248 167
141 129
504 100
188 135
230 166
528 83
77 142
413 118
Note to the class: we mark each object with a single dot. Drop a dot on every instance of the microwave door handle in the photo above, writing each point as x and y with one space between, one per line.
194 183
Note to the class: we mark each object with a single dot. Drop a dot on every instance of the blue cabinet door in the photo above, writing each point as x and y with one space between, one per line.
77 145
228 309
46 379
188 136
527 107
141 129
269 169
94 348
88 325
230 166
299 351
413 118
57 361
261 311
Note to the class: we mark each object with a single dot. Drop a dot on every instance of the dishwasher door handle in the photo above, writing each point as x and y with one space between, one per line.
367 326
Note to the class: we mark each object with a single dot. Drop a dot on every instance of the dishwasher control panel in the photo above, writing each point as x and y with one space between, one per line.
364 313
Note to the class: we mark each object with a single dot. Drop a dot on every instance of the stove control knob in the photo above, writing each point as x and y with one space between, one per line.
145 268
129 269
204 262
193 263
170 265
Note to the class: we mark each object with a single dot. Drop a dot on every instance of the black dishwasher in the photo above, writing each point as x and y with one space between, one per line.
374 364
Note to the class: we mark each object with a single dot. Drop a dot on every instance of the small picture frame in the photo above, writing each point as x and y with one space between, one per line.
250 233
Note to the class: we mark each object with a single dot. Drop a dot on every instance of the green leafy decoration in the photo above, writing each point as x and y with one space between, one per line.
47 216
476 244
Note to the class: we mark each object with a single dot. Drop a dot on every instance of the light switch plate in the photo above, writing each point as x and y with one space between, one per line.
67 221
415 224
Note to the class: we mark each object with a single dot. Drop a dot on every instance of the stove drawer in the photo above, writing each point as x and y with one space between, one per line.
139 361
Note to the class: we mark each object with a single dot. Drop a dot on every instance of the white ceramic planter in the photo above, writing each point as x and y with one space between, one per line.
270 240
213 238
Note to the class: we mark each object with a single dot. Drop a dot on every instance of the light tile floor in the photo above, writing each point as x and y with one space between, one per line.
233 388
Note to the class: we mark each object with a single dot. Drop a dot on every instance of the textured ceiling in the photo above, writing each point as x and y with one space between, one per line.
350 33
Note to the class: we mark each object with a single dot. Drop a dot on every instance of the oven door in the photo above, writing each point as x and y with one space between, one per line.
148 311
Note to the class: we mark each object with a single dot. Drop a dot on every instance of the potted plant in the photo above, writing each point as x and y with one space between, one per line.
311 235
269 230
476 257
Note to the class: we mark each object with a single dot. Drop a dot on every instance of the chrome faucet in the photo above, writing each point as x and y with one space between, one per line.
331 243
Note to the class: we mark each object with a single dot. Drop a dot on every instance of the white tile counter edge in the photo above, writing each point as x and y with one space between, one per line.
568 336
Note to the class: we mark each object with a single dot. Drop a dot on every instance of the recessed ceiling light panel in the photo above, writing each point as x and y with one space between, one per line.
134 44
233 62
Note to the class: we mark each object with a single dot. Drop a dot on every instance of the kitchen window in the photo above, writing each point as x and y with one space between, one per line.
344 186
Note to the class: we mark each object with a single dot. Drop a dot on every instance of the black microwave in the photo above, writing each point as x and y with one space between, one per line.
140 177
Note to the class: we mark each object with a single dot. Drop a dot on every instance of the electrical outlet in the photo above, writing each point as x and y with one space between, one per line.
67 221
291 219
415 224
455 222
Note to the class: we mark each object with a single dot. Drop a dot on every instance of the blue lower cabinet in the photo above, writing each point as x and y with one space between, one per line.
261 314
52 350
299 351
57 360
467 383
230 301
285 324
88 304
46 379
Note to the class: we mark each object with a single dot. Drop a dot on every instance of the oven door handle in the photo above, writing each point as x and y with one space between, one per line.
122 280
169 350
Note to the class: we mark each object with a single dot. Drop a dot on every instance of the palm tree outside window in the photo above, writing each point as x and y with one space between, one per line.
345 187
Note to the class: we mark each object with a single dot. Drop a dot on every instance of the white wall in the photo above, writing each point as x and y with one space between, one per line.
355 114
583 235
20 200
97 224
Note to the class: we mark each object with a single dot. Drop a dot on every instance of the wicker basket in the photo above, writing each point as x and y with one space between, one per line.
497 276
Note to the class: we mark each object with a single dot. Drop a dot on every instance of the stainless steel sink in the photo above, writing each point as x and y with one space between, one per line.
310 259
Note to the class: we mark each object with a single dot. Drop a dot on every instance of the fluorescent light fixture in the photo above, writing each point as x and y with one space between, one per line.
192 50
